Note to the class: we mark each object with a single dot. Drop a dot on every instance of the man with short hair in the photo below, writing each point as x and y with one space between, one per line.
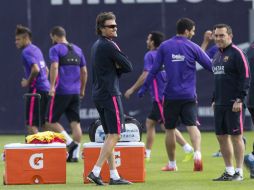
154 39
179 56
231 79
68 76
108 64
36 78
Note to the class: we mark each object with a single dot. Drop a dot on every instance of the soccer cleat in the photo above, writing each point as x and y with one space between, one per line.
168 168
224 177
71 147
188 156
72 159
198 165
120 181
217 154
237 177
249 163
92 178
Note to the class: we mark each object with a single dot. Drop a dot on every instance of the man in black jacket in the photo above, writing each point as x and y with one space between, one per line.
231 81
108 63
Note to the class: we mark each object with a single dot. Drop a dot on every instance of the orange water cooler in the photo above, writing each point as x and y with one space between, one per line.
34 163
129 157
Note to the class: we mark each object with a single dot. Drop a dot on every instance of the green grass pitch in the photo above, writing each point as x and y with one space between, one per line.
183 179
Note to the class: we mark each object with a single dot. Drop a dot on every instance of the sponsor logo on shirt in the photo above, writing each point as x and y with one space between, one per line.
177 57
218 70
225 59
42 64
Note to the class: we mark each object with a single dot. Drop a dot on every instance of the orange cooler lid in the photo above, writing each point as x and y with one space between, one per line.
36 146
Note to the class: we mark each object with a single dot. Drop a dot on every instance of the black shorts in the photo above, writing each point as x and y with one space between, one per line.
156 113
63 104
227 121
250 97
32 108
111 114
185 110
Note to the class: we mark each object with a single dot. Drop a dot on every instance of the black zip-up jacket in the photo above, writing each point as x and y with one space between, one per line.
231 75
108 63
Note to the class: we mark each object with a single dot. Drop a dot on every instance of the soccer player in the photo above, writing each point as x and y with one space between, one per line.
36 78
249 158
231 78
68 76
108 64
154 39
179 56
208 38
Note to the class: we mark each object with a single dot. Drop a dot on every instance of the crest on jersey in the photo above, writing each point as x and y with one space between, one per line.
225 59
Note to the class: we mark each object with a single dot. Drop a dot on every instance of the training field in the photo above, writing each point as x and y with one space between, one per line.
183 179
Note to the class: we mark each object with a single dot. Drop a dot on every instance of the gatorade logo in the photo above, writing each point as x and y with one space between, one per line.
36 161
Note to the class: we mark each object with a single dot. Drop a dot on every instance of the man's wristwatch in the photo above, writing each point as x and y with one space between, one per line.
238 100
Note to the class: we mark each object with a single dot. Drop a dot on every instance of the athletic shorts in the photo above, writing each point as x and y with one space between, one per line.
185 110
63 104
34 115
111 114
250 97
156 113
227 121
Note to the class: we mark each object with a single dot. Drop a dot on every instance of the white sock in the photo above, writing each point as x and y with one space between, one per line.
76 152
96 171
172 164
240 170
67 137
148 153
114 174
230 170
197 155
187 148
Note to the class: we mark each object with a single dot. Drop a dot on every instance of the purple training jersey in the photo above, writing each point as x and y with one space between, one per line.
212 51
159 82
31 54
179 56
68 79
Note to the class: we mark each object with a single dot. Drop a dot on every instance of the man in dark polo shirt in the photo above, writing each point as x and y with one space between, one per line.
231 83
108 64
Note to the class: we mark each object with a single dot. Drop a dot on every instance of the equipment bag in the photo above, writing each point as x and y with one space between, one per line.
132 133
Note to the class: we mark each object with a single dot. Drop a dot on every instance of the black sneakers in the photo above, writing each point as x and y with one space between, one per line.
72 159
227 177
237 177
224 177
120 181
92 178
71 147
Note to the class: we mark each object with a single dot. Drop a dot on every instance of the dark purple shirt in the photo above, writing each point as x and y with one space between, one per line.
159 82
212 51
31 54
68 79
